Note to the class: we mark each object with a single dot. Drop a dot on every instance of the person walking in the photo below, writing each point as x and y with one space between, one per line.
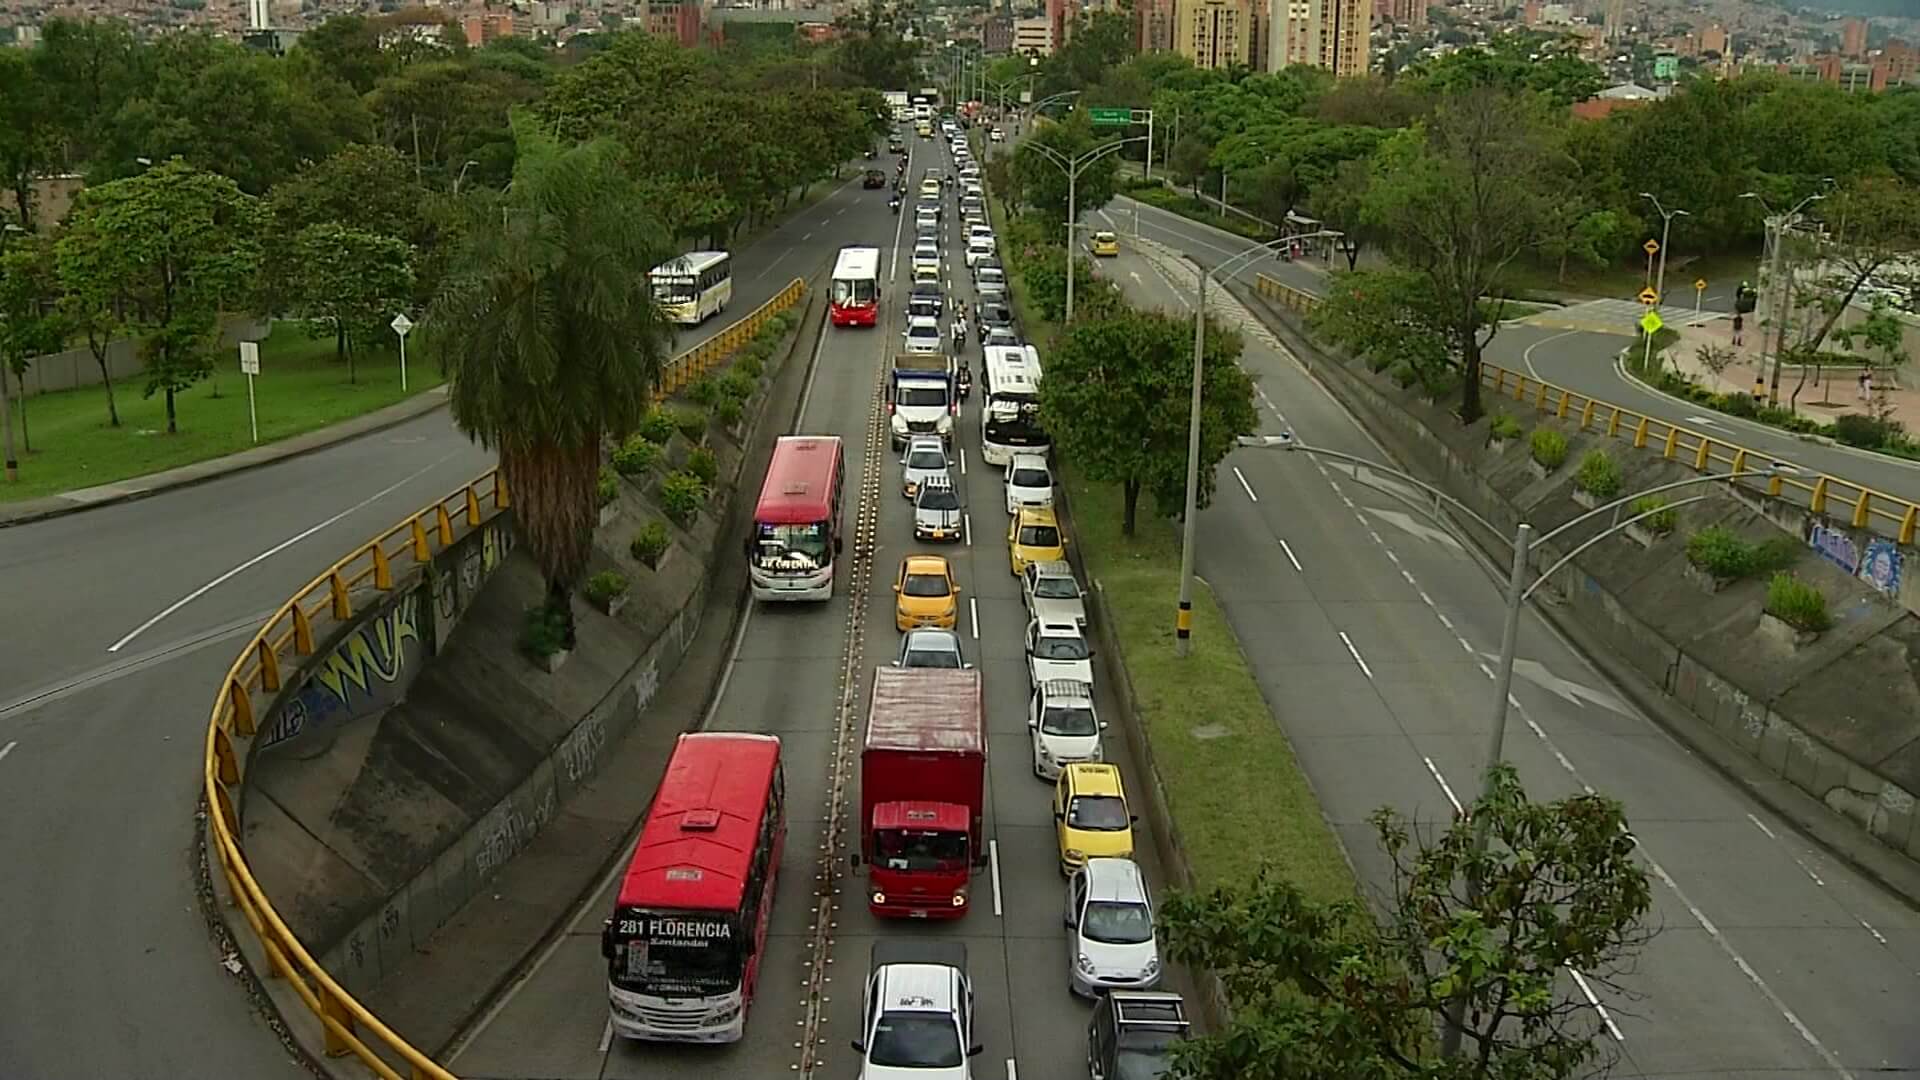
1739 323
1866 386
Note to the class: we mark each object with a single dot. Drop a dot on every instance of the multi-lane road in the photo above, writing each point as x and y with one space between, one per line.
115 624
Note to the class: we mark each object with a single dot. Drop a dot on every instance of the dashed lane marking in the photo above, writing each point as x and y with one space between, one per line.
1284 546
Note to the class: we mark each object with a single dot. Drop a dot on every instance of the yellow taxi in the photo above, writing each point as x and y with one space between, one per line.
1090 813
1106 244
1034 536
926 594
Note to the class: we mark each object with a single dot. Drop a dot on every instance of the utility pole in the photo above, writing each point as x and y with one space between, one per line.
6 416
1782 305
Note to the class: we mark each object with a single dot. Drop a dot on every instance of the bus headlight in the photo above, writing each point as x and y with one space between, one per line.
726 1015
879 898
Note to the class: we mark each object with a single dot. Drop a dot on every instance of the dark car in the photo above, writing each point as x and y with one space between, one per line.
874 179
1131 1035
896 145
927 294
996 316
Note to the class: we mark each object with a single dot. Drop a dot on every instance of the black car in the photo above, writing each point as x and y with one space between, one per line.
927 294
896 145
1131 1035
874 179
994 314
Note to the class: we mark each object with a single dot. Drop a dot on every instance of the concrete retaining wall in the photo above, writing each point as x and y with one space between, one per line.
76 367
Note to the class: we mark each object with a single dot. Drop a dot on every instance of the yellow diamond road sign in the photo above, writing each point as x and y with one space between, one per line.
1651 247
1650 323
1648 296
1700 285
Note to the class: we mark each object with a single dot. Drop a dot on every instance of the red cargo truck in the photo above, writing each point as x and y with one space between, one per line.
922 792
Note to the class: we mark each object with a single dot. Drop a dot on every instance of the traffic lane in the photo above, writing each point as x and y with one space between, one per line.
115 973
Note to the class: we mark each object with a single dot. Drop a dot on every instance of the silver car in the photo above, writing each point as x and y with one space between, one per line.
1109 918
937 513
926 457
1053 594
930 648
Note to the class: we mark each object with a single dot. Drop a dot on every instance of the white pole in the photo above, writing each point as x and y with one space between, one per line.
1149 144
253 418
403 363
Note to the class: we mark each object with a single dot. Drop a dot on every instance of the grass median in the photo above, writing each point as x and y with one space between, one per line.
301 387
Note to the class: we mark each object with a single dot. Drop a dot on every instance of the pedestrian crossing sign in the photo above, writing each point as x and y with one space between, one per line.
1648 296
1650 323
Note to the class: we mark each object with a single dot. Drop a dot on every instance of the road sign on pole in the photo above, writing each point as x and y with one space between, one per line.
1651 247
401 324
250 366
1111 117
1651 322
1648 296
1699 293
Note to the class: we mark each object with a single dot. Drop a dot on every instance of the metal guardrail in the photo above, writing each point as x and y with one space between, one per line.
263 667
1862 506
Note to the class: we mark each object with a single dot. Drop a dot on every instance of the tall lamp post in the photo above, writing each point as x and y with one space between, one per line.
1666 230
1519 588
1780 293
1073 167
1183 620
7 233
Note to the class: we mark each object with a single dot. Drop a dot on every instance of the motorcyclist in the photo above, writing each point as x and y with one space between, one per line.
959 331
965 379
893 203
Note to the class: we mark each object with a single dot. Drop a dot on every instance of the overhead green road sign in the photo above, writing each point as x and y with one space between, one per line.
1120 117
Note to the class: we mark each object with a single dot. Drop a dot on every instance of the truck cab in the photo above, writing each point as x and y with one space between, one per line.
921 397
916 1021
923 792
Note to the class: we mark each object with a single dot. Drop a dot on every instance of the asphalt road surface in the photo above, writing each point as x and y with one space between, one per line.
783 681
1373 636
1582 361
118 623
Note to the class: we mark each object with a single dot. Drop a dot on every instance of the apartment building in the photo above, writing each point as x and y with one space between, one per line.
1213 33
1329 34
1033 37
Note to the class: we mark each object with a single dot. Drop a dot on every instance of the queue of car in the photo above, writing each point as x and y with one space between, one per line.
918 998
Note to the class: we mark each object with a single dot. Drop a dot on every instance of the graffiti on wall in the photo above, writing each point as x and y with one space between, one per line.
456 585
1879 564
365 673
1835 546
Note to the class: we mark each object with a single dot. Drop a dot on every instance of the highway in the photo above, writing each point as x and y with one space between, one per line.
119 622
782 680
1373 636
1582 361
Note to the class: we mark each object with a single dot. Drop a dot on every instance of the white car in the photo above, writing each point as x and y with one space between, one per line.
1063 726
937 513
1001 337
926 254
979 247
926 457
1109 918
916 1021
1052 594
926 224
923 335
996 135
1058 651
1029 482
979 229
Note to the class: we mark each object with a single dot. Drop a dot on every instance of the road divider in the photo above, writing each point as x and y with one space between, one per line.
1820 493
272 660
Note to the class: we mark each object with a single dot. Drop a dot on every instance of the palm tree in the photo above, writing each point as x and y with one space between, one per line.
550 338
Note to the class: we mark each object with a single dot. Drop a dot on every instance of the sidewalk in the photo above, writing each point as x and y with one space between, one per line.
139 487
1836 392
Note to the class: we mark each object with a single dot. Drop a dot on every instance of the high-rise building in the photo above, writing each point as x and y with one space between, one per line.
1853 37
1259 15
1212 33
1060 17
675 20
1616 19
1714 39
482 27
259 15
1154 22
1404 12
1033 37
1330 34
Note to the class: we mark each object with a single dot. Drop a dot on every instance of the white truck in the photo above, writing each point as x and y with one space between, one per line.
897 102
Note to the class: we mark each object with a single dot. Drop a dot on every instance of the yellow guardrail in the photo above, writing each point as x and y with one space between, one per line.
264 665
1862 506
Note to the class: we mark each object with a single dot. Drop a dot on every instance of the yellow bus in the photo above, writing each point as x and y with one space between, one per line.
693 286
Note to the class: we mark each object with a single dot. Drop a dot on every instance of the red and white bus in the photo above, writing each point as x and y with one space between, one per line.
689 927
855 300
797 535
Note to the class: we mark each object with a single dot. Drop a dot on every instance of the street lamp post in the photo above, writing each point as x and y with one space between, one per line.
462 176
1666 231
1073 167
1183 619
1780 294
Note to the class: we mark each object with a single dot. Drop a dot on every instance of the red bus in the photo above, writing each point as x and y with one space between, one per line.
689 926
796 535
856 287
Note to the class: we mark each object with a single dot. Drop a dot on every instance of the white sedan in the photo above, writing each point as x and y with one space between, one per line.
1058 651
923 334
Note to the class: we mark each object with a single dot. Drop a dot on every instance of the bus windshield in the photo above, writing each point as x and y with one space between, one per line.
854 291
669 289
792 548
902 849
675 955
1013 420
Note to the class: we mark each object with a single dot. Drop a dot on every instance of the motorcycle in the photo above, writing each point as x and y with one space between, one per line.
959 334
893 204
966 380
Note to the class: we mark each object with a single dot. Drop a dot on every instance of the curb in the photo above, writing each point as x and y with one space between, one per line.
56 506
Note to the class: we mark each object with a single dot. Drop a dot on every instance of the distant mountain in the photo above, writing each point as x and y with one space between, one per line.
1906 8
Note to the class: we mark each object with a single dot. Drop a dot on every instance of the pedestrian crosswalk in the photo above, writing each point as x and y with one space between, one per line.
1613 317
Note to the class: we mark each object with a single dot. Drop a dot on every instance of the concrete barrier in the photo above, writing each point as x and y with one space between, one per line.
76 367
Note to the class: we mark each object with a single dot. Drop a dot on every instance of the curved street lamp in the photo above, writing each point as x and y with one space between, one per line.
1073 167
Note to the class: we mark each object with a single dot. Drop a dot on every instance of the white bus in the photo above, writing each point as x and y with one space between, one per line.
693 286
855 300
1010 404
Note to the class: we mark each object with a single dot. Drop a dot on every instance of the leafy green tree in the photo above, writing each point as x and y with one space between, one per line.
551 341
1340 204
1876 234
350 283
1514 64
1043 179
349 47
89 69
178 245
1283 163
1391 318
1116 400
1319 993
30 321
877 50
1457 201
90 304
27 138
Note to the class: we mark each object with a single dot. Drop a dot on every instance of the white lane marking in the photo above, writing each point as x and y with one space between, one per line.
1355 653
275 550
1527 356
1587 992
1762 826
1871 930
1248 488
8 749
973 616
1444 621
808 236
1011 1073
993 860
967 527
606 1035
963 461
1284 546
1434 770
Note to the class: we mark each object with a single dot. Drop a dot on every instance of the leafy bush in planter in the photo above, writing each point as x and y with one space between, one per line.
682 495
1504 427
635 457
691 422
609 485
735 386
657 426
545 631
704 465
1722 553
1797 604
729 412
650 543
704 391
605 585
750 365
1660 523
1599 475
1549 448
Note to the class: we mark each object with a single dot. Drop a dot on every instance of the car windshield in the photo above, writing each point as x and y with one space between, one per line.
1143 1055
1112 923
1056 588
916 1040
926 251
928 585
931 658
1072 720
996 314
921 395
1060 648
799 548
1045 536
926 459
1100 813
1000 335
939 499
1031 478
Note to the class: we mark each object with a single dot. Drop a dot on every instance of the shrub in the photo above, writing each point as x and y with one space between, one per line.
682 495
1661 518
1866 432
735 386
545 630
635 456
691 423
657 426
1599 475
1549 448
1720 552
1740 405
605 585
1797 604
704 465
649 543
729 412
1503 426
1404 375
609 485
752 366
703 391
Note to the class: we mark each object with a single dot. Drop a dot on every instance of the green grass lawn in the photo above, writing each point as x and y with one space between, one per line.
300 388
